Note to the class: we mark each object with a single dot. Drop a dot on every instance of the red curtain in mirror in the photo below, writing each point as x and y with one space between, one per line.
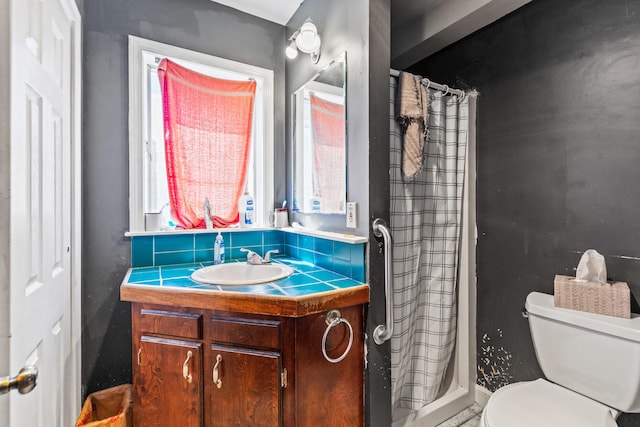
207 125
327 125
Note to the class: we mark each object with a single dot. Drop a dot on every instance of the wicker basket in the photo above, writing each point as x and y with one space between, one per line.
611 300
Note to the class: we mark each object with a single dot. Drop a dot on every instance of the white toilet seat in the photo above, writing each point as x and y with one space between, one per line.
540 403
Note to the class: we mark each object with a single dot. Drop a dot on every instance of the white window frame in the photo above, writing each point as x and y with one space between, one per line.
264 153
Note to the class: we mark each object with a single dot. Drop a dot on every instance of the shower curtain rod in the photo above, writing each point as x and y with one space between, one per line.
429 83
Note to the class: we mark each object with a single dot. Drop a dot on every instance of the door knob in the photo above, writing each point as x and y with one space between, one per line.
24 382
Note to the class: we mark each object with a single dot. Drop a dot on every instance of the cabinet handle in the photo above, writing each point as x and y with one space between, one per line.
139 356
216 375
185 368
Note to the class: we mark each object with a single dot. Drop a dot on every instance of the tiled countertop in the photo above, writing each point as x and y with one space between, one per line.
307 290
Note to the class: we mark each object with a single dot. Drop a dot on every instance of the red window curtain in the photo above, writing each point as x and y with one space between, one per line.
207 125
327 125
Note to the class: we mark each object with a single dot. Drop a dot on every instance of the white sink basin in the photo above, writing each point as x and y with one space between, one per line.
240 273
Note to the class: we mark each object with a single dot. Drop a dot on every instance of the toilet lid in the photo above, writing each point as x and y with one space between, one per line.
540 403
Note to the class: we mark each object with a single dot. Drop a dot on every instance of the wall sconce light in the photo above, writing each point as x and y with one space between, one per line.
307 40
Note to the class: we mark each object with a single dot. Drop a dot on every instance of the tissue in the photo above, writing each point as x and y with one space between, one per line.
592 267
589 290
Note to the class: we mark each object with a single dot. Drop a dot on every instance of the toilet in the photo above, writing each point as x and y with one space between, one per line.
592 367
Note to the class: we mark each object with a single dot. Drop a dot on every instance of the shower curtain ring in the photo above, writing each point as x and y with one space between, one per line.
446 90
427 81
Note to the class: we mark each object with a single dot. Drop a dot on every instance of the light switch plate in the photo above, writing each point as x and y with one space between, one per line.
351 215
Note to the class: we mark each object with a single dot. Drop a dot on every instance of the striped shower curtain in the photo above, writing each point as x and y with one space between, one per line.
426 215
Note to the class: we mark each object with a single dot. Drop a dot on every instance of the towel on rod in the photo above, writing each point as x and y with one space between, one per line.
412 100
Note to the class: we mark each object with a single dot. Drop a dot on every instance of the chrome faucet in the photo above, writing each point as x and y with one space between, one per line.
255 259
252 257
267 256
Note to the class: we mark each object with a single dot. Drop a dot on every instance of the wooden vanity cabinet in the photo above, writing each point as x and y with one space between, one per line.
249 392
244 369
169 399
167 368
244 365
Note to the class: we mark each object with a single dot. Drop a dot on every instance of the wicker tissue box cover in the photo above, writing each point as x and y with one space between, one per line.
611 300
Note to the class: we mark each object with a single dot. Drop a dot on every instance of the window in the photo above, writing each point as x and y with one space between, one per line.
148 191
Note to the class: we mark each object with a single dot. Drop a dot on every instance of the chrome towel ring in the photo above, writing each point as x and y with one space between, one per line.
334 318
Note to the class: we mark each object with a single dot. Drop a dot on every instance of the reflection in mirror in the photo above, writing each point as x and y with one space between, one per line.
320 175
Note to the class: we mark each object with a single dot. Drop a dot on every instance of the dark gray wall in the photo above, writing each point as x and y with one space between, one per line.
558 155
362 28
80 4
378 379
200 25
343 26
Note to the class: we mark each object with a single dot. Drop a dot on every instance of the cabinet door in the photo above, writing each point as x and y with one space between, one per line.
243 387
168 383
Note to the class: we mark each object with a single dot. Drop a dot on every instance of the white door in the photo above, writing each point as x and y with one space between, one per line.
40 300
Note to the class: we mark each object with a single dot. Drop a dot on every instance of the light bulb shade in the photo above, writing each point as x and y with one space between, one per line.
291 51
308 40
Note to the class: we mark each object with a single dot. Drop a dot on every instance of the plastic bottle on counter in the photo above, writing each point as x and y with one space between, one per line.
316 204
246 208
218 250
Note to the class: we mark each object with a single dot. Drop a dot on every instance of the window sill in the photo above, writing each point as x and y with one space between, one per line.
196 231
330 235
339 237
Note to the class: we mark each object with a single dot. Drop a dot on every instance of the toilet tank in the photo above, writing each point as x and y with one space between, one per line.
595 355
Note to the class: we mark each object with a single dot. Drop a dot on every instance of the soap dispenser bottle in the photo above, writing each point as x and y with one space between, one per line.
246 210
218 250
316 203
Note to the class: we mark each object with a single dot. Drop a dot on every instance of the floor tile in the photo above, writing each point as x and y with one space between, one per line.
470 417
473 422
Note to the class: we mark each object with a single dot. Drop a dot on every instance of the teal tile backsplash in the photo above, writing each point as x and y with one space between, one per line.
343 258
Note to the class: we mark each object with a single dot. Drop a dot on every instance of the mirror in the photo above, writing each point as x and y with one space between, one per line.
319 143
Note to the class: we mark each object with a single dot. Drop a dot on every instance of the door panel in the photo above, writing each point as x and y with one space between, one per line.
164 397
40 286
249 393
